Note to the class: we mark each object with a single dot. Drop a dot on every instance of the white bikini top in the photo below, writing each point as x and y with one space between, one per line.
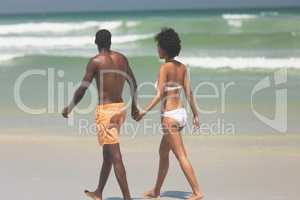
169 88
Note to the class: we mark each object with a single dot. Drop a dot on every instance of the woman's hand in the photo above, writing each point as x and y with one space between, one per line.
196 122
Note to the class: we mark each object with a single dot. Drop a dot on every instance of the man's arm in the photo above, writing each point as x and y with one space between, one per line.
85 83
133 89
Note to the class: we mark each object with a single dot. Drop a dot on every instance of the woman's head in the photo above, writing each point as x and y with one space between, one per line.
169 43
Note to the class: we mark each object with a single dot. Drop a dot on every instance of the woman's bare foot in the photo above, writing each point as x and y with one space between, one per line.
196 197
151 194
94 195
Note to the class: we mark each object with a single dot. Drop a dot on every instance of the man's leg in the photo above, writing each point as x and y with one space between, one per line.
119 170
104 174
105 170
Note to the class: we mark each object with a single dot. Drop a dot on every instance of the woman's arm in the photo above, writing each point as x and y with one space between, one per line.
190 97
162 77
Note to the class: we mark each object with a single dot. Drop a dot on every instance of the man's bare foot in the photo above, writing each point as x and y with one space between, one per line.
196 197
151 194
94 195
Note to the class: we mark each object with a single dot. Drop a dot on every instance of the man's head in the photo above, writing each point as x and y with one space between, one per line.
103 39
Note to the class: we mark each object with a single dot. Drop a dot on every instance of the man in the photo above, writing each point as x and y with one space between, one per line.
111 70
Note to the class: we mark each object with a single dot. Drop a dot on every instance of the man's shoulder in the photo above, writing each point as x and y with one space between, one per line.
118 55
94 60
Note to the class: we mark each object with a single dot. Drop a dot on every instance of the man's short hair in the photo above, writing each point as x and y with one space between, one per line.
103 39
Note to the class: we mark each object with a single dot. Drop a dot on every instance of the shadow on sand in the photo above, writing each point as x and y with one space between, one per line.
119 198
114 198
176 194
170 194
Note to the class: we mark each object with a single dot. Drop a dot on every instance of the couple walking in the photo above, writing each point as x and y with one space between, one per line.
111 70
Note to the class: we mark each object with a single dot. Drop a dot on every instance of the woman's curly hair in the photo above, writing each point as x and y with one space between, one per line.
169 41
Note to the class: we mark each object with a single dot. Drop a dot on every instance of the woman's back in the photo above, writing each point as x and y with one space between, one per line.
175 75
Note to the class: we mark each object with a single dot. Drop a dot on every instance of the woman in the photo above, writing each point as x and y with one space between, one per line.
172 79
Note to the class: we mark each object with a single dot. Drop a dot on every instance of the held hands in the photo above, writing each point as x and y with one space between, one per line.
140 115
136 114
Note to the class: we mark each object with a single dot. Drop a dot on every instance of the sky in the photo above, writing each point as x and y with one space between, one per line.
23 6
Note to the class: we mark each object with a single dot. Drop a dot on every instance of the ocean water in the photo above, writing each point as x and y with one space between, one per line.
233 49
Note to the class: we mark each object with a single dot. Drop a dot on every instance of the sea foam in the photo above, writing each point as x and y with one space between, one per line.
12 42
241 62
60 27
238 16
7 57
236 20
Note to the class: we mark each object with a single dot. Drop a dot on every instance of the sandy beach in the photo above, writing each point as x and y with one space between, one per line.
228 167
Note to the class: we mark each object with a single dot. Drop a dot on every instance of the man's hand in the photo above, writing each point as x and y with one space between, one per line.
134 112
140 115
196 122
66 111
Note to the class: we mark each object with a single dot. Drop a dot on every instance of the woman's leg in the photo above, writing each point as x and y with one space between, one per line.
177 147
164 151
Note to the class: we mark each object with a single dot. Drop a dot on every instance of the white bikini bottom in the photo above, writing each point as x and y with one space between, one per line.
179 115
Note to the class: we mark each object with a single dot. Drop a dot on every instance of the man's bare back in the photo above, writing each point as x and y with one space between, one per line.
111 71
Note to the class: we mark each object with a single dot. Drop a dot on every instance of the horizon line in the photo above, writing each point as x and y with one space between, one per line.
149 10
